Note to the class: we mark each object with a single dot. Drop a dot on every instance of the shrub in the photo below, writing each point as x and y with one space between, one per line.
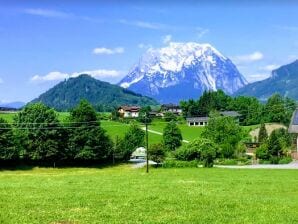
274 159
169 116
200 149
285 160
261 161
262 152
172 163
226 162
157 153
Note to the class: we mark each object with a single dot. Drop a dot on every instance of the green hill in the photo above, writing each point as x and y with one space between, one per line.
283 80
102 95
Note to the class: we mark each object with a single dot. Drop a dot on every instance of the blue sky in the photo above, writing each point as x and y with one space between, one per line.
44 42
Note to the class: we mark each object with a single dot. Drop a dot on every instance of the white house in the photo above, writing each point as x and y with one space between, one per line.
175 109
129 111
197 121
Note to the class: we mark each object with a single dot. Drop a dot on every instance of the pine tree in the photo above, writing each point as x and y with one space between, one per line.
263 136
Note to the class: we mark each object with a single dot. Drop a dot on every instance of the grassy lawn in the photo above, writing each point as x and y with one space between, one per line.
114 129
8 116
125 195
188 133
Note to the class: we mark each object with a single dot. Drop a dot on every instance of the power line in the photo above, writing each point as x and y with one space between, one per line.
51 123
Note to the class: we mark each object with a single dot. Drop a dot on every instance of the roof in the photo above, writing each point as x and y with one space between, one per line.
293 127
230 113
130 108
170 106
197 119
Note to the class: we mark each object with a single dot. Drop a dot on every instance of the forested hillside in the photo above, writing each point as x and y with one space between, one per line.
102 95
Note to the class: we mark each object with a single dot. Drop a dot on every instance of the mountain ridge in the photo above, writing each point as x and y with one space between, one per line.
182 71
103 95
283 80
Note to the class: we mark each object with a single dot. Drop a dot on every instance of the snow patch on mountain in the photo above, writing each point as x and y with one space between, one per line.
161 73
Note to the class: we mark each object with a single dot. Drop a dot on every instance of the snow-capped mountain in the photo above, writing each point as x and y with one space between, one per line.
182 71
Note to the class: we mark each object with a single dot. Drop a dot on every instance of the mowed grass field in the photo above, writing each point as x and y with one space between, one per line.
122 194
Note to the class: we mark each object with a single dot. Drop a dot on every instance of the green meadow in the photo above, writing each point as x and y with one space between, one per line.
123 194
115 128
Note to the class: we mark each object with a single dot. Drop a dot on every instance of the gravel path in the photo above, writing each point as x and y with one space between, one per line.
292 165
139 163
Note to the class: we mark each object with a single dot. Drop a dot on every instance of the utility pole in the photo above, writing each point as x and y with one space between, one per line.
115 148
147 145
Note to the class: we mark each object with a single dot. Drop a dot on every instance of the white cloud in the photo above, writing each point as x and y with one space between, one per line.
167 39
100 73
269 68
255 56
47 13
145 25
1 81
58 76
201 31
52 76
103 50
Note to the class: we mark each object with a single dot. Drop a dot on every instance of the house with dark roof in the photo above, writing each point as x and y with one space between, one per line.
129 111
197 121
175 109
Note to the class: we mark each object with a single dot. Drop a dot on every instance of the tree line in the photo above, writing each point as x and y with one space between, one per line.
276 109
38 137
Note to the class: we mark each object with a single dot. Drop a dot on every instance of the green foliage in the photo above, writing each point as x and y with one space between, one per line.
144 115
38 134
169 116
263 136
279 140
172 136
7 147
213 100
262 152
190 151
285 160
209 101
249 108
279 109
157 153
87 140
133 139
172 163
102 95
208 153
225 132
199 149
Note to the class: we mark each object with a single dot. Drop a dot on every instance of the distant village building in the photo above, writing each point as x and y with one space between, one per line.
129 111
175 109
203 121
293 129
197 121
